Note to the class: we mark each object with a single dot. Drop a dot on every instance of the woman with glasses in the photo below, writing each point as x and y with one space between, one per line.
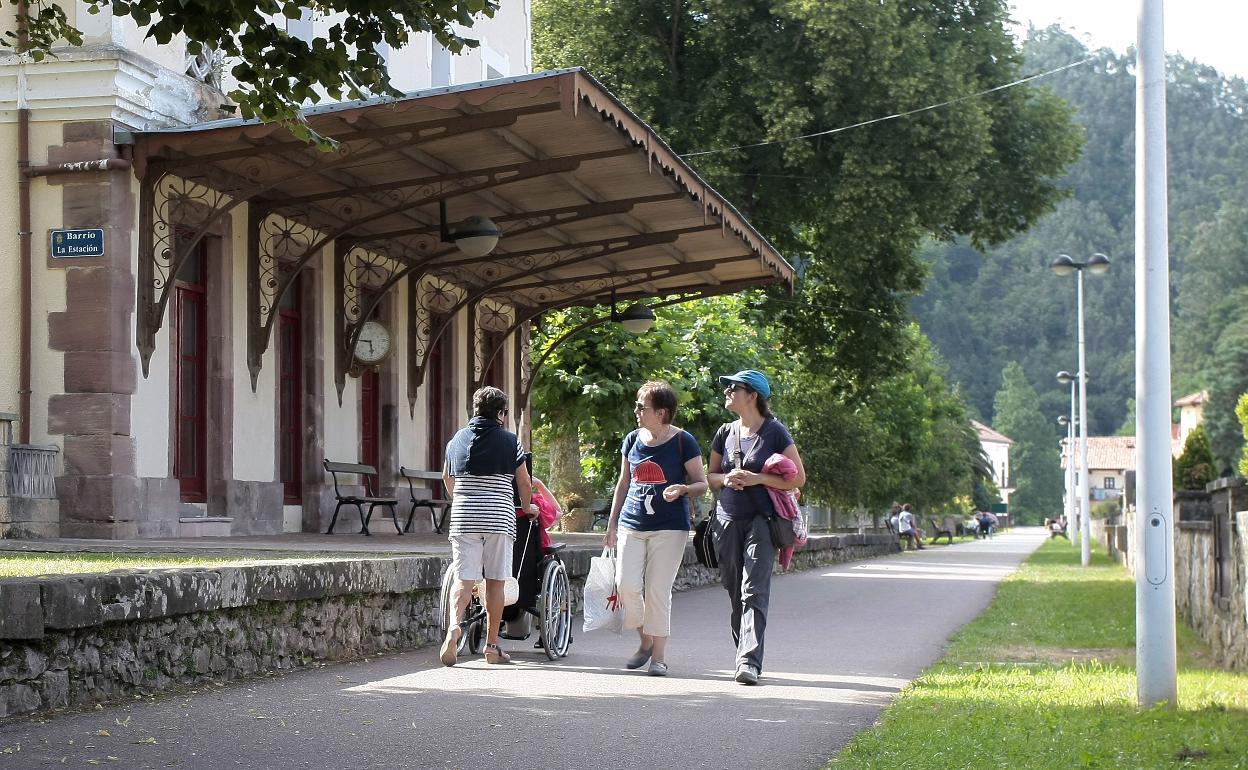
660 466
743 531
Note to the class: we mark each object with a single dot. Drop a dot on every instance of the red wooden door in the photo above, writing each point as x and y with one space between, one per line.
191 374
290 400
435 384
370 417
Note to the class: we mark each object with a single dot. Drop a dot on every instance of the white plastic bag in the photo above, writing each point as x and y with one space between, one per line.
601 604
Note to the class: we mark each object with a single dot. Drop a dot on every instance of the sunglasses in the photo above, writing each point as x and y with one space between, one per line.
735 387
640 407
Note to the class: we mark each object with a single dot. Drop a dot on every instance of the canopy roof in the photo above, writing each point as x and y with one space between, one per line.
554 143
592 204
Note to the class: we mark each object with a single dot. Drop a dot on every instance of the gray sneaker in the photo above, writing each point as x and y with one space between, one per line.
638 659
658 668
747 675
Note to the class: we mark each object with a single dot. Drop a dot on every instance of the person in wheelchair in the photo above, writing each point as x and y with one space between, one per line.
531 545
544 589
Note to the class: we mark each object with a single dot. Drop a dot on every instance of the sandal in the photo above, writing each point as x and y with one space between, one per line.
450 646
495 654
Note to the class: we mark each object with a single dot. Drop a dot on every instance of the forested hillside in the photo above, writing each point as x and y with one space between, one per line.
983 310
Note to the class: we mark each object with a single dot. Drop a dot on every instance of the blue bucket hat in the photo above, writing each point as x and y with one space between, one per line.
756 380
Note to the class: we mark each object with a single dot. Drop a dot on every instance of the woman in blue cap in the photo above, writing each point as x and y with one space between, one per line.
743 535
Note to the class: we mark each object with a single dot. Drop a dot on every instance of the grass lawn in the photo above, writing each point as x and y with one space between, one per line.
33 564
1045 678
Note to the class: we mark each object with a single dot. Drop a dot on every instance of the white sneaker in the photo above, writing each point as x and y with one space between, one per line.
747 675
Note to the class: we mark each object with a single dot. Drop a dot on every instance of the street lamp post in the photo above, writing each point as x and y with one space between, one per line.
1153 536
1097 264
1069 446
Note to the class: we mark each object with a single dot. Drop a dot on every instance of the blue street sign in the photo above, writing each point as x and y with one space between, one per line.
77 243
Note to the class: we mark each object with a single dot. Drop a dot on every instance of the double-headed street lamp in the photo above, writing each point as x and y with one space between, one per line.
1064 265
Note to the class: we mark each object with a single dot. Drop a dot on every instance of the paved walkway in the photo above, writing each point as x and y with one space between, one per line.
841 642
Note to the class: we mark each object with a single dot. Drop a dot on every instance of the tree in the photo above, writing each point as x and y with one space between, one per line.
1194 468
909 438
1228 380
849 207
277 73
583 395
1034 461
1241 412
985 309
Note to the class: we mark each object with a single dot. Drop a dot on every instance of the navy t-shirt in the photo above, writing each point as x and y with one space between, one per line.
651 470
772 438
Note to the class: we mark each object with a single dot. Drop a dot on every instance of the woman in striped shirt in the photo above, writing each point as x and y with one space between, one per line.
482 461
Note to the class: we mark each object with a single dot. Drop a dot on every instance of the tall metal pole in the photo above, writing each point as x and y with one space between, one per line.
1071 521
1155 663
1085 510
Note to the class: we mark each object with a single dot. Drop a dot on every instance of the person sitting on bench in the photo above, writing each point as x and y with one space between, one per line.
908 528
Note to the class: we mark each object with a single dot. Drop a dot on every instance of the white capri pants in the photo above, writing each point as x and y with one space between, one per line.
646 567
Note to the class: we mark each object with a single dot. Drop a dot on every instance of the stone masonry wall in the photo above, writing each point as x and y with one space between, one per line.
1222 624
77 640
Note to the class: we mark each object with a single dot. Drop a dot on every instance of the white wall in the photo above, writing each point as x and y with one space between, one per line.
255 413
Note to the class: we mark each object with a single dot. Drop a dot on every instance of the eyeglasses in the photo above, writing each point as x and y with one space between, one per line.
640 407
735 387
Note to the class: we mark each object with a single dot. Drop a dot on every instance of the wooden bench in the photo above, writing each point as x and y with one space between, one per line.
369 475
432 480
941 530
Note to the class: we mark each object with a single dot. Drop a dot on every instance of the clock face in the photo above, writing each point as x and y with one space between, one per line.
373 344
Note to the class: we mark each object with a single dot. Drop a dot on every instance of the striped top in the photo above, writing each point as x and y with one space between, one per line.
485 504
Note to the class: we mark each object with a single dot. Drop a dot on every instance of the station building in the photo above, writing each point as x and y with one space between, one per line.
201 309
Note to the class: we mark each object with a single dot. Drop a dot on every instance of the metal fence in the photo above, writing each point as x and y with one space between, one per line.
30 472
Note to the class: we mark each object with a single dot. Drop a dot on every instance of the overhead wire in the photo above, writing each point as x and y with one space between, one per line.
895 116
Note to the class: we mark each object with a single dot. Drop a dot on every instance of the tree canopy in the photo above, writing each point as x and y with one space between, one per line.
849 207
276 72
1034 467
983 309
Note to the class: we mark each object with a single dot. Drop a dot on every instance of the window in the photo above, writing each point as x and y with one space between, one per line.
493 64
301 28
289 396
1109 482
441 70
190 334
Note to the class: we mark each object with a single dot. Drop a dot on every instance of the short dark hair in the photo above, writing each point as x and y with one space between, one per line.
489 401
661 397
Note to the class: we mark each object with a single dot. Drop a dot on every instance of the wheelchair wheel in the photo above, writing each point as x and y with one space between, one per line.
555 610
472 638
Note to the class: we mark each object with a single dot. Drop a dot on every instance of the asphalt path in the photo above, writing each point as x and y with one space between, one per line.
841 642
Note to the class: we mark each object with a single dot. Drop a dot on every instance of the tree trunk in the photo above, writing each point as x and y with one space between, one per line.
565 467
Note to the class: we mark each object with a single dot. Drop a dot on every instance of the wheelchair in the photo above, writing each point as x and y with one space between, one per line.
551 608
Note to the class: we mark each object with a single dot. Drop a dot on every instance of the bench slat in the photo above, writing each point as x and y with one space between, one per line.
334 467
409 473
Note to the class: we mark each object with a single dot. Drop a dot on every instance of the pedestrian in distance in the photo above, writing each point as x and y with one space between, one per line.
742 515
660 469
483 460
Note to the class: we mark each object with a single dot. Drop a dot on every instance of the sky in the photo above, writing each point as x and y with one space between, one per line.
1209 31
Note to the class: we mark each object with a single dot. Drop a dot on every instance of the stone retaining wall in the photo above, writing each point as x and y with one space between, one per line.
1217 613
77 640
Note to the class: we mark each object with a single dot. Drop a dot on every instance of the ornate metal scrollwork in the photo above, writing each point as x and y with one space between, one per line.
170 203
362 276
491 322
278 248
432 302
